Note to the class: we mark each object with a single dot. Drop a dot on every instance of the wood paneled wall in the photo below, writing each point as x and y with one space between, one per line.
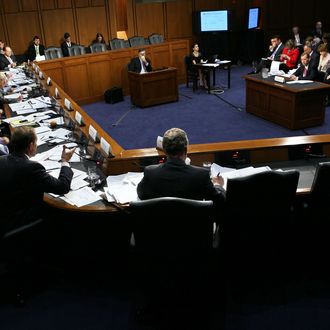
20 20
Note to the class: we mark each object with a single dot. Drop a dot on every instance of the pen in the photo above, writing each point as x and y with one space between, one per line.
218 174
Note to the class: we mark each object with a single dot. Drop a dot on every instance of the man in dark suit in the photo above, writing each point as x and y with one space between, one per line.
306 71
313 54
23 181
7 59
36 49
175 178
140 64
66 44
274 54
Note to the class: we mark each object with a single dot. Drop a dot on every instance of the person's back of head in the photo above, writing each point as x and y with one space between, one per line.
22 138
175 142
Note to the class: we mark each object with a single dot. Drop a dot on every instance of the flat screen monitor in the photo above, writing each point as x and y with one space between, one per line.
253 18
215 20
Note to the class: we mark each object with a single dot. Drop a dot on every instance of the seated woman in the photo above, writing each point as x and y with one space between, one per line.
324 62
99 39
289 56
196 57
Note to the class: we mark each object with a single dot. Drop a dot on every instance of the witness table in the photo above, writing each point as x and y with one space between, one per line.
212 67
154 87
293 106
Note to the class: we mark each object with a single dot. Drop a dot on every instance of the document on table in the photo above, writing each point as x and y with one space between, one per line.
55 154
243 172
13 96
123 187
22 107
81 197
300 82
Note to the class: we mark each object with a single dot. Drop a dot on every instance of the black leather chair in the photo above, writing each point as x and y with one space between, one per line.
137 41
15 245
317 218
256 226
98 47
76 50
156 38
53 52
117 43
173 243
191 74
170 226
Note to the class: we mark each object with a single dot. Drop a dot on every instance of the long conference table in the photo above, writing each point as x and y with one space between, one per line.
252 152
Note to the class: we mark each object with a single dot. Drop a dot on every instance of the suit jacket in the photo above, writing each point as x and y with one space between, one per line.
176 179
4 61
65 48
277 54
311 73
23 183
31 52
135 65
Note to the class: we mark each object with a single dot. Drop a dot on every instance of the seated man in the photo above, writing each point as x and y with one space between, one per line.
306 71
313 54
140 64
66 44
7 59
175 178
274 54
24 181
36 49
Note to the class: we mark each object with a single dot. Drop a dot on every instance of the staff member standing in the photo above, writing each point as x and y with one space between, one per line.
141 63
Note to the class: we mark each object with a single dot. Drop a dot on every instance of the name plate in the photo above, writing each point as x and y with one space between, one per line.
159 143
79 118
56 93
37 69
106 147
33 66
67 104
41 75
49 81
279 79
93 133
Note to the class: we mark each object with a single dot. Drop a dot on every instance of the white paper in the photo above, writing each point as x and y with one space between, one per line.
243 172
299 82
219 170
123 187
13 96
83 196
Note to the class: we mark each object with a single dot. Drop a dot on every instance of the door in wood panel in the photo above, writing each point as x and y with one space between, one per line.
56 23
76 80
99 67
161 56
179 19
149 18
90 21
20 35
118 69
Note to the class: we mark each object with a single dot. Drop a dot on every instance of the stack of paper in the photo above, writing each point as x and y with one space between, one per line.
230 173
122 188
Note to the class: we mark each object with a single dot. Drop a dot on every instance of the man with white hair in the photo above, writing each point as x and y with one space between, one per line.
7 59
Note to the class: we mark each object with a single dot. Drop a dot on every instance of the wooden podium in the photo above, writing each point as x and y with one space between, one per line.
151 88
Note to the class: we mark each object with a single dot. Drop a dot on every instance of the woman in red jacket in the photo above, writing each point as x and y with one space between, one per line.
289 56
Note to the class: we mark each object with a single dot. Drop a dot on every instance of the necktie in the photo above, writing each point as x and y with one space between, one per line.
305 72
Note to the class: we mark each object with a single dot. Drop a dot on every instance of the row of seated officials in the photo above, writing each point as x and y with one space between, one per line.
312 52
69 48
